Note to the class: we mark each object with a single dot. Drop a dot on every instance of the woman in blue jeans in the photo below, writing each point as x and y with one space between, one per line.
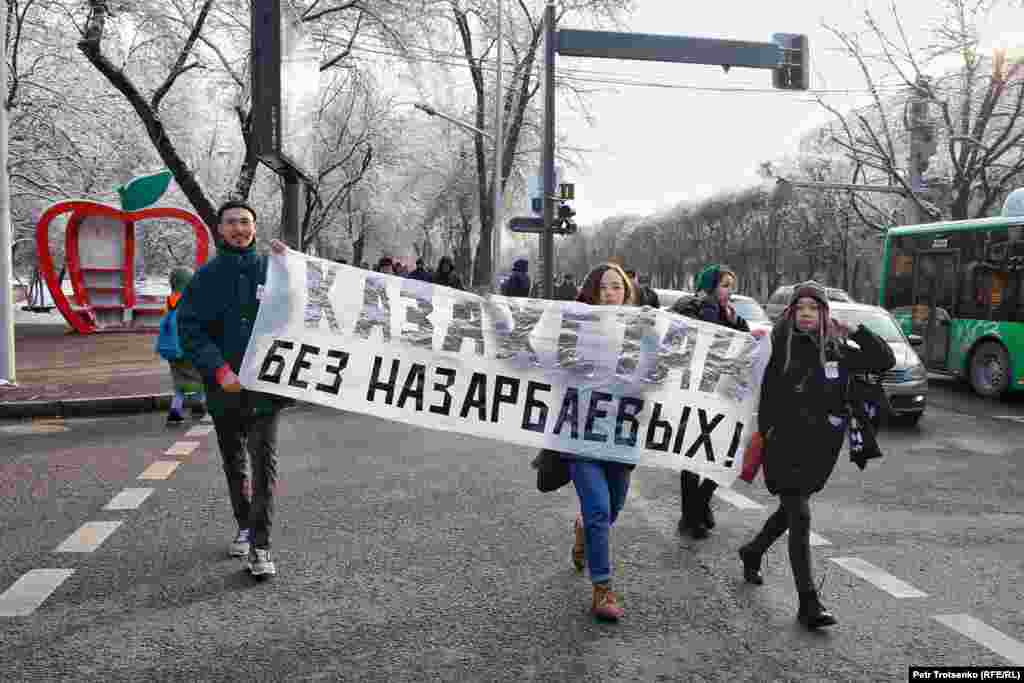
601 485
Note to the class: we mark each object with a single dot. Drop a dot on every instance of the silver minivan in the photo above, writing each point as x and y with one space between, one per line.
906 383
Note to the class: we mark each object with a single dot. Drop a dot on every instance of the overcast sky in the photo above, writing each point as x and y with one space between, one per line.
651 148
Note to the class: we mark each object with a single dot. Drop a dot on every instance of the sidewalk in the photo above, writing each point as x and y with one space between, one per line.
64 374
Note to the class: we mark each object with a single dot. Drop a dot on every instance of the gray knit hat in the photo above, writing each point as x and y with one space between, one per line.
812 290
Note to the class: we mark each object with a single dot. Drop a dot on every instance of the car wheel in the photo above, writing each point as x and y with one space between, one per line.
990 370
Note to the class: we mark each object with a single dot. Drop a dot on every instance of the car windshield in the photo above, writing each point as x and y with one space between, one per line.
879 323
750 310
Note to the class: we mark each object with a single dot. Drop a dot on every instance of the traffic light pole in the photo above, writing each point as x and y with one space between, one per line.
547 247
787 56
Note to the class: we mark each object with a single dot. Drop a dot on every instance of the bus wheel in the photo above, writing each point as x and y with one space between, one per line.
990 370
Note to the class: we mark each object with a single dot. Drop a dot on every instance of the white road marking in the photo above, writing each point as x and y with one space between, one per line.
161 469
1015 418
983 634
199 430
30 590
88 537
128 499
737 499
182 448
881 579
819 540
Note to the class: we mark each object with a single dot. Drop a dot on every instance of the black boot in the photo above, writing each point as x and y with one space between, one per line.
813 614
751 565
692 520
707 490
686 495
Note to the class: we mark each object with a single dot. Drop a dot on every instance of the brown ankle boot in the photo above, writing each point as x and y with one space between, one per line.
606 604
578 548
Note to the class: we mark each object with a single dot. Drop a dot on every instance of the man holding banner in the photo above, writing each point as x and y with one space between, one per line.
215 322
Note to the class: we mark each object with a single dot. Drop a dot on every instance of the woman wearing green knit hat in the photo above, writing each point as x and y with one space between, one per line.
711 304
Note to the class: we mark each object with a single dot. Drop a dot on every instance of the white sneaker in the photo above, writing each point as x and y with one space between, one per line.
240 546
260 563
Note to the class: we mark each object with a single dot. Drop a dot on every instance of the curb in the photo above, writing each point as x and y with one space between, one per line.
84 407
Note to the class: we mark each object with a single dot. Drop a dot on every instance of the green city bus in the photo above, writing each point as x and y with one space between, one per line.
957 286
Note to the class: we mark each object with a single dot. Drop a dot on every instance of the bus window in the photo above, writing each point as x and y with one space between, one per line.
900 286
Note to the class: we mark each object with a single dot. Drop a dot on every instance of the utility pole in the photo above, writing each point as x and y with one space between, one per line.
7 367
499 141
547 245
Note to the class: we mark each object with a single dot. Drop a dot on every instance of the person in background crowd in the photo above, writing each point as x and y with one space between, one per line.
518 283
186 379
566 290
364 265
386 265
601 485
215 320
645 295
421 273
711 304
445 274
803 419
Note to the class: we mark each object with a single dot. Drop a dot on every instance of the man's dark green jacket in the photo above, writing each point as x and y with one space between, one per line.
215 319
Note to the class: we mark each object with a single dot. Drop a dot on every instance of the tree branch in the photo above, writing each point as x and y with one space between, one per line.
179 65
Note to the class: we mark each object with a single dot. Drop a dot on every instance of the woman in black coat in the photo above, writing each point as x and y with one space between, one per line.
803 418
711 303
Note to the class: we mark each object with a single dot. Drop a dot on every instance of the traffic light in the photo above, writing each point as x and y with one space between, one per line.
794 72
565 221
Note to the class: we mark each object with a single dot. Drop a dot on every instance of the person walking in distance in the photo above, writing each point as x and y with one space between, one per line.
518 283
215 320
803 420
711 304
445 274
601 485
186 379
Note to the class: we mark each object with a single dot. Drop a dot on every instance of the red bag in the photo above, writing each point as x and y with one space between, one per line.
752 458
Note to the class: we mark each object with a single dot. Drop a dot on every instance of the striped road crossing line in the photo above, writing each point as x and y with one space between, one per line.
30 590
128 499
88 537
161 469
878 577
737 499
182 448
199 430
983 634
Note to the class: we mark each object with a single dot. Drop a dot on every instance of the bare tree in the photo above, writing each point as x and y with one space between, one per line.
977 112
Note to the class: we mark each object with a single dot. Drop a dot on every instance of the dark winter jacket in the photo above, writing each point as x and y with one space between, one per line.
215 319
708 310
518 283
803 409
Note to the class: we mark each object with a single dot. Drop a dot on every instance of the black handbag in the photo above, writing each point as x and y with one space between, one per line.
552 471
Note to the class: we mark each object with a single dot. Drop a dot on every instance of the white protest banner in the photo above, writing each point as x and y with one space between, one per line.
622 383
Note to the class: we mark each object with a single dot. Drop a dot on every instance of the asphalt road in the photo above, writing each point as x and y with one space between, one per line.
410 555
